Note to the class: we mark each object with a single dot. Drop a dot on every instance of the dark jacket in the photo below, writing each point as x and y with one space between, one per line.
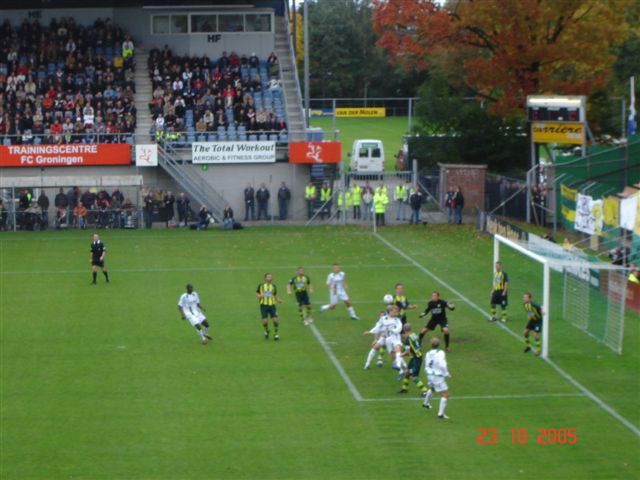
284 193
458 199
415 200
249 196
228 214
61 201
262 195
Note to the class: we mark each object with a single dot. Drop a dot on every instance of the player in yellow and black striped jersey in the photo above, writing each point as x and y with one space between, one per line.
534 323
412 349
267 294
499 290
300 283
400 300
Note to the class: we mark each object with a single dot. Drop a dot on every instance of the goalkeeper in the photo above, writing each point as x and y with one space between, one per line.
534 315
438 309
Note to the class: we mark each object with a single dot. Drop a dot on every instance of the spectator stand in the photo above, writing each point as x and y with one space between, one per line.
110 201
231 98
65 82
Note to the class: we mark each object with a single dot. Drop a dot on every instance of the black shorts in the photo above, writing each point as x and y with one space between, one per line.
413 369
434 322
268 311
403 319
302 298
497 298
534 325
96 262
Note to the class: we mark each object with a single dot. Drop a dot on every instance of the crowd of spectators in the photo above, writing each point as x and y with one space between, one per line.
232 95
65 82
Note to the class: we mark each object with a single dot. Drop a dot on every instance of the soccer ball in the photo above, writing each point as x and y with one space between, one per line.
388 299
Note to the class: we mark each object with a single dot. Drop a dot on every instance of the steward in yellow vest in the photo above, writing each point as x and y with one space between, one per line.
310 197
325 198
380 201
356 198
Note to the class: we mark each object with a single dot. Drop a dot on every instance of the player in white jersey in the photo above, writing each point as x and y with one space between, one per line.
435 366
338 292
191 310
387 330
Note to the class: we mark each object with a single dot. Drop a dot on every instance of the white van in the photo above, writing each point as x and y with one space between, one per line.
367 156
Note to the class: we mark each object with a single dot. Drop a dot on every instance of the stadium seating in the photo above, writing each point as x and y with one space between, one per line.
230 98
65 71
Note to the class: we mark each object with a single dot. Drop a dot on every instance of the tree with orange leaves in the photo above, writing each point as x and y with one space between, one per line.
504 50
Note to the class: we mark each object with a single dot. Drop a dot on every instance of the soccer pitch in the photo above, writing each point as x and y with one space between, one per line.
388 129
108 381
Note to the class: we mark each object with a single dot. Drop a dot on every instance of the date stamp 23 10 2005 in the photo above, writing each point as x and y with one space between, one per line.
545 436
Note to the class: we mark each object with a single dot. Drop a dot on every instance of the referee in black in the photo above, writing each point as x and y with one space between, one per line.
98 251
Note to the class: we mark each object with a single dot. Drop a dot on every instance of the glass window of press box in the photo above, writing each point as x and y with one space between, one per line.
204 23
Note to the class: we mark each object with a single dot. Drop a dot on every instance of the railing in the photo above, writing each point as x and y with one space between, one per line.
184 140
196 185
293 63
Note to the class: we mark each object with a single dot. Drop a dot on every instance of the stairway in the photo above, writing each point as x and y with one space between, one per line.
143 97
289 79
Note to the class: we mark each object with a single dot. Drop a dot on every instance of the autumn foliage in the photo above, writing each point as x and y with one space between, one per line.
504 50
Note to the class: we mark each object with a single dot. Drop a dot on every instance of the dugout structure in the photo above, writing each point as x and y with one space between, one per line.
586 293
10 188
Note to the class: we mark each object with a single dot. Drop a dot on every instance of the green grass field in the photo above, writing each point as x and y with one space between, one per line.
388 129
107 382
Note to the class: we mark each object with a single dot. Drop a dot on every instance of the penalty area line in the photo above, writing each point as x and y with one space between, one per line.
551 363
482 397
336 363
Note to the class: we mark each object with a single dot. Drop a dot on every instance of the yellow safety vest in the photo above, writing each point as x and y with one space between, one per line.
349 198
310 192
356 194
380 201
325 194
401 193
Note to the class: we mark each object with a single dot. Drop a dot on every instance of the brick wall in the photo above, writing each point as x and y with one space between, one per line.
470 179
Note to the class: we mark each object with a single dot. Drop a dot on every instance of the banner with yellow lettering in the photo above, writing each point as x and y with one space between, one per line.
558 132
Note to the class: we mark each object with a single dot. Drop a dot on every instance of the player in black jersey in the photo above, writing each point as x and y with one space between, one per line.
438 309
98 251
400 300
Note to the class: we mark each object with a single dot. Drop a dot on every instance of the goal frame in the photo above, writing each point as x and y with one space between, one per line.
546 281
497 240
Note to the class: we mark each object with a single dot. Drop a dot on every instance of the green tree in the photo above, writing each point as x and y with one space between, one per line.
454 129
344 58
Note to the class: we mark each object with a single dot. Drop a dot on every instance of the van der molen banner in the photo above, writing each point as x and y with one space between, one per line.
233 152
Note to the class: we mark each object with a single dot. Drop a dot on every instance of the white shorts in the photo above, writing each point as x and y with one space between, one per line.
195 318
391 341
334 298
437 383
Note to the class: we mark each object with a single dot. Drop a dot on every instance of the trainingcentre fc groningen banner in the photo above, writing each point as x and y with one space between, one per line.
233 152
361 112
65 155
558 132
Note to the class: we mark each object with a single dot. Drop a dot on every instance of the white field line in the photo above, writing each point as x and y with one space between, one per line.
358 397
336 363
208 269
551 363
482 397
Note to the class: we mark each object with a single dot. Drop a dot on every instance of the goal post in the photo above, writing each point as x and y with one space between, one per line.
546 282
585 293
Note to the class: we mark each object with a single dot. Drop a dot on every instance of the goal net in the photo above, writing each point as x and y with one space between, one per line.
575 291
